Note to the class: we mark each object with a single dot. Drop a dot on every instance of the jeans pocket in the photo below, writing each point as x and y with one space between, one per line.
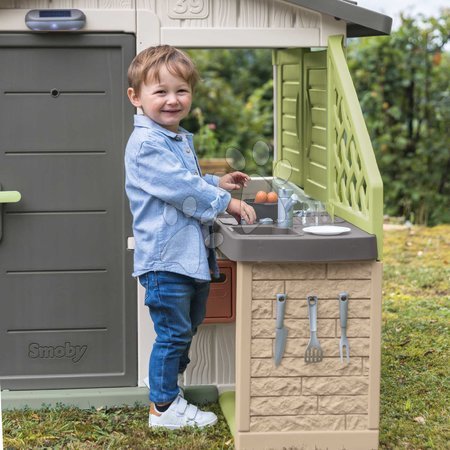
147 280
143 280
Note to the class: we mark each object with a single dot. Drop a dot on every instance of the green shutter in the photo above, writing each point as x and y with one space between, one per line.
289 100
315 124
301 119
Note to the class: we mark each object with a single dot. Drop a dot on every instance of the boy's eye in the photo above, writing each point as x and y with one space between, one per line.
160 91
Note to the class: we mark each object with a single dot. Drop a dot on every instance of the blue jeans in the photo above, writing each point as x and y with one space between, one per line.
177 306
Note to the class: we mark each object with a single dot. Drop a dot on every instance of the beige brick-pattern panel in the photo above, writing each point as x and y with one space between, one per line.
284 405
289 271
295 423
328 288
294 396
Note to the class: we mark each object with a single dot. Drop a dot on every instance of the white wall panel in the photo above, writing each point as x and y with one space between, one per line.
213 356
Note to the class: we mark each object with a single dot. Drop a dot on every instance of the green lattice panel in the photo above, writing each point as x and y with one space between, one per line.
350 185
354 182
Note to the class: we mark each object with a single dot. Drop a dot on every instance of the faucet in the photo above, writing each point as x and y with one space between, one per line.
286 201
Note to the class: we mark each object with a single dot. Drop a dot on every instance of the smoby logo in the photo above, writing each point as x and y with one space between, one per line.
73 352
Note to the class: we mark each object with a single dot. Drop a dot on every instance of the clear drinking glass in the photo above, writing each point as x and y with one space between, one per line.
326 217
330 209
318 207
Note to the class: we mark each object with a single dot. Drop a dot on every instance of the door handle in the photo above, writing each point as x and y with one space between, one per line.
7 197
10 196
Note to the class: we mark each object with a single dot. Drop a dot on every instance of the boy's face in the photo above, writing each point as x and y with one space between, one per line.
166 102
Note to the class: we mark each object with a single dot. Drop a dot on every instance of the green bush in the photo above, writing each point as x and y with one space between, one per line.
233 106
402 82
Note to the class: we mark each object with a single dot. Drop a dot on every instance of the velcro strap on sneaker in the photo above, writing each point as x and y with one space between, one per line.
191 412
182 405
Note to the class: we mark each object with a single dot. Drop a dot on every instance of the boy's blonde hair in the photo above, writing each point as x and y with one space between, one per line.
148 63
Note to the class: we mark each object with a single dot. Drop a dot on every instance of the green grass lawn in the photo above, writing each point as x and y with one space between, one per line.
415 376
415 370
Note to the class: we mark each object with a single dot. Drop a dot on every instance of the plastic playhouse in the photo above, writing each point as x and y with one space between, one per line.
291 346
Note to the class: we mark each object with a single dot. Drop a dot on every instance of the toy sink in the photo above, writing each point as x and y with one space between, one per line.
262 230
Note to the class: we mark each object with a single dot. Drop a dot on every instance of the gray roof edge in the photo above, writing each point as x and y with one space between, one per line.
360 21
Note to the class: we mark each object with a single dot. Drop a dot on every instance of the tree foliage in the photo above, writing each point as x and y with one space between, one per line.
233 105
403 84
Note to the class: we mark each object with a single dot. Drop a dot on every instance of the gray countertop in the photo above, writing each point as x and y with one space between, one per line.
250 243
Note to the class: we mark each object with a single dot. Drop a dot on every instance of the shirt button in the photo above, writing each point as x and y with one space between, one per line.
195 172
178 138
188 150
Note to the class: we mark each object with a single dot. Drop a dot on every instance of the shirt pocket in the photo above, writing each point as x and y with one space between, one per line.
187 156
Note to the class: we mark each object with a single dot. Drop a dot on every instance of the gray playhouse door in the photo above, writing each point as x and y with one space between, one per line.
67 299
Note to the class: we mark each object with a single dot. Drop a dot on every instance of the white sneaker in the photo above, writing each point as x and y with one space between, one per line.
180 414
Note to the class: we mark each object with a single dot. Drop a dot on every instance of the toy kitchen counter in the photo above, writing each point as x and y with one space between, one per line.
297 387
340 242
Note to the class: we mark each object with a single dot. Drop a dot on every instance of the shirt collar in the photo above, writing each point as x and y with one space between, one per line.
141 120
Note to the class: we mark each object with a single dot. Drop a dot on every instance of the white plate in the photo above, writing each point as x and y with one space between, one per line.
326 230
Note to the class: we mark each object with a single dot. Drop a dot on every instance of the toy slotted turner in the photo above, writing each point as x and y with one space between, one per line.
314 353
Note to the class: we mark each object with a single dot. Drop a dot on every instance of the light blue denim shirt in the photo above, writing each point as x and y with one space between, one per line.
171 202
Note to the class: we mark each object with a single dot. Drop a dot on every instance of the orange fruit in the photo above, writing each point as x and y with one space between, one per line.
272 197
260 197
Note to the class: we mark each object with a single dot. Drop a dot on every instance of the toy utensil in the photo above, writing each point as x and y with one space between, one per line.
281 331
343 313
314 353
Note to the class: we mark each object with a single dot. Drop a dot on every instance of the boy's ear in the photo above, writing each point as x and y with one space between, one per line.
134 99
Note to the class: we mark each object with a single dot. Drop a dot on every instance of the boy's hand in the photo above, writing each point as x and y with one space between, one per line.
240 210
233 181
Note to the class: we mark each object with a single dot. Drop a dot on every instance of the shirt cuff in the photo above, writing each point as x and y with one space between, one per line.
218 205
212 179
